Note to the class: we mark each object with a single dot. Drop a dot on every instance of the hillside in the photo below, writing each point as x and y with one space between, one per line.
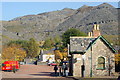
49 24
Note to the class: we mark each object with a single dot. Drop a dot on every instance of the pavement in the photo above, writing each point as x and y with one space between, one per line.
31 72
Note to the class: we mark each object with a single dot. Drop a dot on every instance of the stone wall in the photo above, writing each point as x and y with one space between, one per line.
77 65
99 49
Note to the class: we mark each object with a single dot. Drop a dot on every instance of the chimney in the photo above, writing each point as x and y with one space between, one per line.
95 26
96 30
90 34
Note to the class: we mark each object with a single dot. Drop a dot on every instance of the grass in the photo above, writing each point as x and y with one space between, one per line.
113 39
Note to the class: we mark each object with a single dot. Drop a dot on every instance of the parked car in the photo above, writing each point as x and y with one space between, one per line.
52 64
48 63
10 66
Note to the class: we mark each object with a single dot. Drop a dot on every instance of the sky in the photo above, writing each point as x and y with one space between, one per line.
12 10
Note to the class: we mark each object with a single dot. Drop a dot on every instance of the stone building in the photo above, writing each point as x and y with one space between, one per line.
92 55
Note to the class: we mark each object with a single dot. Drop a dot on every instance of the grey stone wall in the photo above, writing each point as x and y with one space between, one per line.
77 65
99 49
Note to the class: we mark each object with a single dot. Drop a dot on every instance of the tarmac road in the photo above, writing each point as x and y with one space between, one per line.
30 71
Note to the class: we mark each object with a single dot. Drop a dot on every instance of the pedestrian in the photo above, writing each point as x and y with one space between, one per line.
60 71
82 70
64 68
14 69
118 78
55 68
35 62
60 68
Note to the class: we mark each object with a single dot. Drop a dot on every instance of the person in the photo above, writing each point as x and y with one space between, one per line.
60 68
64 68
55 68
118 78
60 71
14 69
35 62
82 70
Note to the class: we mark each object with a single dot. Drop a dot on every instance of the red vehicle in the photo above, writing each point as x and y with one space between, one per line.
53 64
10 65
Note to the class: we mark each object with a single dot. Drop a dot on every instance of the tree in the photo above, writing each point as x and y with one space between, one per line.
13 52
57 39
65 53
52 42
117 58
61 55
32 48
22 43
49 43
58 55
117 62
71 32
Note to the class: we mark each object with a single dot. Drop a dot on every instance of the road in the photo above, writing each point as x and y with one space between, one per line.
31 72
37 72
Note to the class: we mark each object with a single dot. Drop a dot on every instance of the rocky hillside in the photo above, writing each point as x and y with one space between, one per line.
84 18
53 23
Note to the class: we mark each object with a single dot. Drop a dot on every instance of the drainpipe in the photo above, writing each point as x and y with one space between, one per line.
91 61
70 56
109 68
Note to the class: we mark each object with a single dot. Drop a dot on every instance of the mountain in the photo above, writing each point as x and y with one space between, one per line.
104 14
50 24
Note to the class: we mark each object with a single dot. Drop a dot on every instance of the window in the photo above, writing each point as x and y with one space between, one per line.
101 63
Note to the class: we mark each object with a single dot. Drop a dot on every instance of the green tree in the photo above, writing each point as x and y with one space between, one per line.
22 43
57 39
71 32
49 43
32 48
57 42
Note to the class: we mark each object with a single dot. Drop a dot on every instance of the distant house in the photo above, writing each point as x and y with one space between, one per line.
92 55
47 56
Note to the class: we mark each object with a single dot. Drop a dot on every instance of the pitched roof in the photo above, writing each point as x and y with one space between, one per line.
82 44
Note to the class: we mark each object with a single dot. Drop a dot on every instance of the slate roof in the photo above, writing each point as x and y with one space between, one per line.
82 44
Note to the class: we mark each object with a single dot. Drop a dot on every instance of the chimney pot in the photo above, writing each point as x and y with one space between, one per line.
95 26
96 31
89 34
